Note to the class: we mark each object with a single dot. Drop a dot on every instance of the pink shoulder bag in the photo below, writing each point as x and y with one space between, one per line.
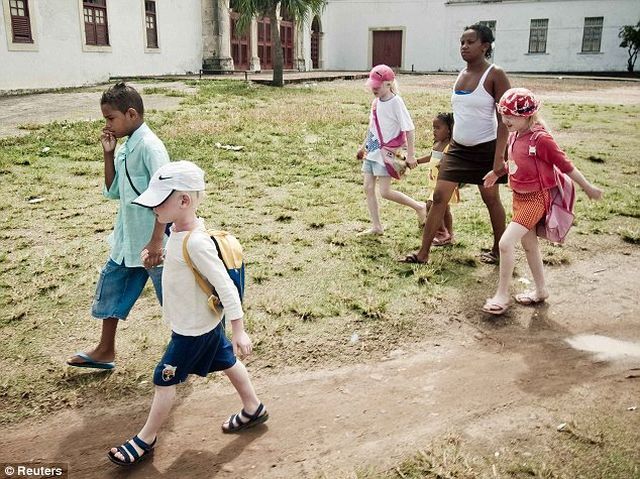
559 215
391 150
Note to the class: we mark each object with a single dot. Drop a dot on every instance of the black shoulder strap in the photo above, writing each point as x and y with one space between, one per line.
129 177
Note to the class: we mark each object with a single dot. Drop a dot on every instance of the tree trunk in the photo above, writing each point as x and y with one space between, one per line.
277 57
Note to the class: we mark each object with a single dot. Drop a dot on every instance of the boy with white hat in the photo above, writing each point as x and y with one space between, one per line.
198 343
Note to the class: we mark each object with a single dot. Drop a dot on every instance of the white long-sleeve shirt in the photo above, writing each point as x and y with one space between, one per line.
184 304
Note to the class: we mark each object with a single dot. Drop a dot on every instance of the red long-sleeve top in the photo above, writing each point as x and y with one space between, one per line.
533 171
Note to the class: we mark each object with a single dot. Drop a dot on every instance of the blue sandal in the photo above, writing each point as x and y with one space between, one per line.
89 362
237 424
130 453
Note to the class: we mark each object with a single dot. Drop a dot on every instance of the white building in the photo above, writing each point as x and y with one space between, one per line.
531 35
59 43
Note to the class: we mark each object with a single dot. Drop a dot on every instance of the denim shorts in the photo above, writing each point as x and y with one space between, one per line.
374 168
199 355
119 287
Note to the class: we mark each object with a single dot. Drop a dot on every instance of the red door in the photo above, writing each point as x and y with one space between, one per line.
286 35
387 48
239 46
264 43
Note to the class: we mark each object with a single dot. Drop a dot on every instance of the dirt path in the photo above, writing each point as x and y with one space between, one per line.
71 106
83 105
491 380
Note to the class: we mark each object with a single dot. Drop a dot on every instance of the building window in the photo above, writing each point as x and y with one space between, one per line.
95 22
538 35
151 23
592 35
20 22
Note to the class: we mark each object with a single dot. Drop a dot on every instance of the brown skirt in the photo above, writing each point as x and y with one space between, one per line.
468 164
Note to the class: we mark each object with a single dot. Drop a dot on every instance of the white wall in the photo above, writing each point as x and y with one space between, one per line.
346 26
433 28
61 60
564 34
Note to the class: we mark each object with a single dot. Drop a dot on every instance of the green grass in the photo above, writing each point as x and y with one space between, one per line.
294 198
594 444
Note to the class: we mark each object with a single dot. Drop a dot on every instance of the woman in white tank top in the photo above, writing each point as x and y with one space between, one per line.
478 142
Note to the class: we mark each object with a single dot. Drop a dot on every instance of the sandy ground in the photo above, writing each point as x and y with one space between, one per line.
84 105
488 379
76 106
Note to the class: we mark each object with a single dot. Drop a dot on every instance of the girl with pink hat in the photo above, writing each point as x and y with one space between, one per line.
390 130
537 169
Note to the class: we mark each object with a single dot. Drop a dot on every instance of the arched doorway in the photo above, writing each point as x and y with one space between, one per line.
316 36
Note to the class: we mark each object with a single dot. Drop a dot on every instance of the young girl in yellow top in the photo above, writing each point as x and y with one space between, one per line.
442 128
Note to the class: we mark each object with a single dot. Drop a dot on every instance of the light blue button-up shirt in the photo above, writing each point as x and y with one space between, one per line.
144 154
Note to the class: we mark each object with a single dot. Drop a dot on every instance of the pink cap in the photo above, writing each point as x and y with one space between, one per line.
380 74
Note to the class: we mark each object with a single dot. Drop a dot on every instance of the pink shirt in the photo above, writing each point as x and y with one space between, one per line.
530 171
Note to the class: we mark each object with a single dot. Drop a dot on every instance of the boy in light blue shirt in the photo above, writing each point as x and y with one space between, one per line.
127 173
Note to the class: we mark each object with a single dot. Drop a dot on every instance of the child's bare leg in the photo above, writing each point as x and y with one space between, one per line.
396 196
106 349
534 259
160 410
372 202
511 236
239 377
253 411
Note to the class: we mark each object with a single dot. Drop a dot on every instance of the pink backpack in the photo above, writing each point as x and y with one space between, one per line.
559 215
395 167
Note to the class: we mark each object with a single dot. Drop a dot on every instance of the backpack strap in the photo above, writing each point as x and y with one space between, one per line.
562 180
205 286
374 105
533 141
401 138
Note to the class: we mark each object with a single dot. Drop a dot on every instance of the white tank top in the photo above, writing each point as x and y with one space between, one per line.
474 114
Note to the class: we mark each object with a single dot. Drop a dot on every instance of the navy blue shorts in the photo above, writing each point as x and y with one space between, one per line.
199 355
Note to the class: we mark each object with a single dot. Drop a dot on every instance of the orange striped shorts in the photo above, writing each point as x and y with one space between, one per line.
529 208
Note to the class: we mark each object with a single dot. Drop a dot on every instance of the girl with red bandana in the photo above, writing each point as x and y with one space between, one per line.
531 176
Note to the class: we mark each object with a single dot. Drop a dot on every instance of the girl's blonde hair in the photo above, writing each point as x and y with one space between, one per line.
393 86
537 118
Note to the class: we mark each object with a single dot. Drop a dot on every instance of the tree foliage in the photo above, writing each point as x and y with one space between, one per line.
299 10
630 36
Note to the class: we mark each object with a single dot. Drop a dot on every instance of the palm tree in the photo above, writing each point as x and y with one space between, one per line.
300 10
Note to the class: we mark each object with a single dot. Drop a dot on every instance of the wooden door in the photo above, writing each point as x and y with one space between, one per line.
264 43
239 46
387 48
286 35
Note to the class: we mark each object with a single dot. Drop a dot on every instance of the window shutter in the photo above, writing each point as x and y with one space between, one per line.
90 31
21 29
102 36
